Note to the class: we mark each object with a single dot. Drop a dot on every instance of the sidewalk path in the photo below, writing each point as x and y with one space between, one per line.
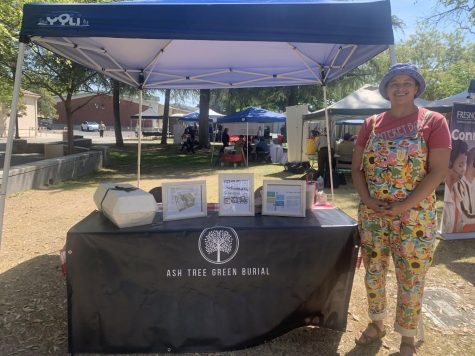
49 137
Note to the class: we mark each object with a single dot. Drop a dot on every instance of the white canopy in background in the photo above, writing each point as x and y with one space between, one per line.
360 104
445 105
195 115
206 43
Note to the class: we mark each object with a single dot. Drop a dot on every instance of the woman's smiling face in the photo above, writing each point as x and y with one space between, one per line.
402 88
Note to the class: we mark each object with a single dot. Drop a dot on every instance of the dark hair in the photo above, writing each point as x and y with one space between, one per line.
347 136
459 147
471 157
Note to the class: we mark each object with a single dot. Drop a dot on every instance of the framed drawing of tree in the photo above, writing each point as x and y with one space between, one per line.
184 200
283 197
236 194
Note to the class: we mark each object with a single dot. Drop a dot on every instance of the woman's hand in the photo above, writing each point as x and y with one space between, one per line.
396 208
379 206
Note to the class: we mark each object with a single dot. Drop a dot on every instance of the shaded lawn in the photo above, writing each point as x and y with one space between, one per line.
155 156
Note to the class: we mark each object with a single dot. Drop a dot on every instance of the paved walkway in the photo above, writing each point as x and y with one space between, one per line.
55 136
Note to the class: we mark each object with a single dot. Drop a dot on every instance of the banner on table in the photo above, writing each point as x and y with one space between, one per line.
458 220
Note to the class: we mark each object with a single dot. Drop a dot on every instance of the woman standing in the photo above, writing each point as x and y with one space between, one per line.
400 157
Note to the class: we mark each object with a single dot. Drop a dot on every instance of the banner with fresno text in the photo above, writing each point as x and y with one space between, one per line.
458 220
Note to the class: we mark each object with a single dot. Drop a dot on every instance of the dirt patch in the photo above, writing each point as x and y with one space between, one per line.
33 309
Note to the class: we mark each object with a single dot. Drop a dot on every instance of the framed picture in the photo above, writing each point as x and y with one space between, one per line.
236 194
184 200
283 197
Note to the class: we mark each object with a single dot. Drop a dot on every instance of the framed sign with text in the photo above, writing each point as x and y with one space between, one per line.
284 197
236 194
184 200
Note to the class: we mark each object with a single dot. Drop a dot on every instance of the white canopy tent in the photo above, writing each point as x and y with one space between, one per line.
357 105
360 104
180 44
194 116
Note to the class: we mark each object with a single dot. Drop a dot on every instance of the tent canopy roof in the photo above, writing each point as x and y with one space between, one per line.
150 113
445 105
253 114
224 44
363 102
194 116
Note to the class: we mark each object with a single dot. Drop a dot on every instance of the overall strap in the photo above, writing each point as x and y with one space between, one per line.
371 135
373 121
426 117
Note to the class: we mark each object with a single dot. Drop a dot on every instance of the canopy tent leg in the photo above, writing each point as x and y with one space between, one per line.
139 135
392 55
215 129
247 143
330 151
11 129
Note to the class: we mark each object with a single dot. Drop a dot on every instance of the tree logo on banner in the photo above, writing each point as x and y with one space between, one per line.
218 244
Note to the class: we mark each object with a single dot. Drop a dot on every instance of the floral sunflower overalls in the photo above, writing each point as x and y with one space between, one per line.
393 169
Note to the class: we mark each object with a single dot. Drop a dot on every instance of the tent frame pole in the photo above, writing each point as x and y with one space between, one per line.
247 143
11 130
139 136
215 130
330 150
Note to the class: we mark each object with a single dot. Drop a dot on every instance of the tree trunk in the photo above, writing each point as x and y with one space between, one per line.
205 95
119 141
292 96
70 124
166 110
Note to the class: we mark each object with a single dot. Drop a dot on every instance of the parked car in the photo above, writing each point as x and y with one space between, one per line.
45 124
89 126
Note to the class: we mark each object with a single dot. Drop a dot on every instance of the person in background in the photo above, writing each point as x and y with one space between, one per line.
315 135
187 141
225 139
262 149
452 218
259 133
210 133
240 142
283 132
345 147
219 133
400 158
267 133
240 147
323 155
102 128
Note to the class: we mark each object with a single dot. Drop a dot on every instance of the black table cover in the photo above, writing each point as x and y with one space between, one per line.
206 284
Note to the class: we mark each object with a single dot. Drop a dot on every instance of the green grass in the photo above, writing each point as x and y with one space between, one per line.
162 163
158 156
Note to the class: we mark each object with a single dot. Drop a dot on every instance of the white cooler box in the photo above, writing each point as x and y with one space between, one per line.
125 205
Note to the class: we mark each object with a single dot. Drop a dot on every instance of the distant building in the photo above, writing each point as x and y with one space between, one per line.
27 118
100 108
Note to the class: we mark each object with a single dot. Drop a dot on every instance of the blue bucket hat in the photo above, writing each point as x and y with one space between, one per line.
402 68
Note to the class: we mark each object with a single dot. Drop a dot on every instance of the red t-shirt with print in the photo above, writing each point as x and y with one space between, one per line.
435 131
